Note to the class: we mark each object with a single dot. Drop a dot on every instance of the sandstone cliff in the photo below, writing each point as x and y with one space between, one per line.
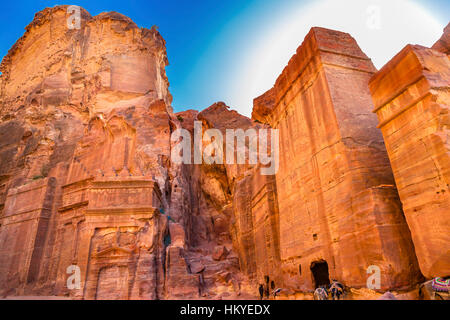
339 211
443 44
87 178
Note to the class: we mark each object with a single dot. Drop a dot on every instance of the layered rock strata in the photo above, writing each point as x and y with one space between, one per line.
88 182
411 98
86 179
339 212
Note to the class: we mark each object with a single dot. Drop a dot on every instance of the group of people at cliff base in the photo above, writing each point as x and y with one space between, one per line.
336 289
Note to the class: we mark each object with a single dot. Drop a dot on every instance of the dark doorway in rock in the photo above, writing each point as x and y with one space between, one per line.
319 271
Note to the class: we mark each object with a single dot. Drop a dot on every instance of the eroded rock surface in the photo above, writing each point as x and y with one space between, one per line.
411 97
87 179
443 44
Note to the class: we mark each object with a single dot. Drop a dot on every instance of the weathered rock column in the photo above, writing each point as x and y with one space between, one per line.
339 210
412 99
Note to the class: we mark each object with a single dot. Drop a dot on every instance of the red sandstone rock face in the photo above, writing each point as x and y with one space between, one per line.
263 106
86 176
411 101
443 44
251 206
80 119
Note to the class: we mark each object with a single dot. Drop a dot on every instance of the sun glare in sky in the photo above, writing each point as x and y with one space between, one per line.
381 28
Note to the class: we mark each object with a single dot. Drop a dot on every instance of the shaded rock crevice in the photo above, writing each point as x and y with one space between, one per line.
87 178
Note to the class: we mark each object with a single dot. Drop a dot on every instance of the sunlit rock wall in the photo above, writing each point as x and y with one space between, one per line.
86 177
411 97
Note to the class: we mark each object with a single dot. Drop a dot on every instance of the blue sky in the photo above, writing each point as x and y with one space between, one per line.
210 44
